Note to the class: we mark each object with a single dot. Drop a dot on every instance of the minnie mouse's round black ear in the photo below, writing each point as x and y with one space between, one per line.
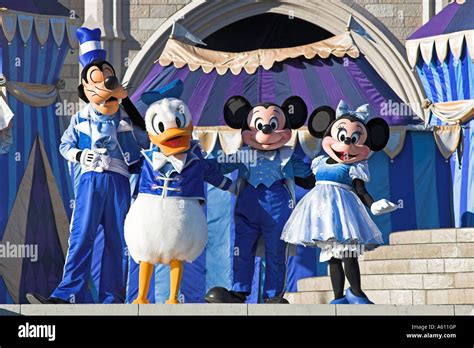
296 111
236 110
320 120
378 133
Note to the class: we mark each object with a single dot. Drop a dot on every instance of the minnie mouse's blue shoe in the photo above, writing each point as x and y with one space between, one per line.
353 299
342 300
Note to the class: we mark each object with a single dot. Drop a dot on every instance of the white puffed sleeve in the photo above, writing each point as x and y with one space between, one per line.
360 170
315 163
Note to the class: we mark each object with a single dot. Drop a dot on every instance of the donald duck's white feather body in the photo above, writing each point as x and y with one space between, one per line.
158 230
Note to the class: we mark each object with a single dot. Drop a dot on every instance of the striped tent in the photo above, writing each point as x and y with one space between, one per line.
35 190
442 52
411 171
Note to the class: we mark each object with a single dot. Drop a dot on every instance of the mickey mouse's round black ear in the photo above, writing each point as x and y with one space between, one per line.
296 111
378 133
236 110
320 120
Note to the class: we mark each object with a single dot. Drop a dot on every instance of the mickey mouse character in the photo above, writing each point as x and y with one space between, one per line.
103 146
266 196
332 215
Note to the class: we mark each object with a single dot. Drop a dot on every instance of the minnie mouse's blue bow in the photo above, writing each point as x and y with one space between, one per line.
362 112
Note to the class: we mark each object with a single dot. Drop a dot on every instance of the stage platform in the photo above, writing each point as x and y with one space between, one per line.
235 310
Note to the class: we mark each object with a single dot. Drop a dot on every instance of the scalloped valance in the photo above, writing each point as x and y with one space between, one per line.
181 54
230 140
61 27
440 45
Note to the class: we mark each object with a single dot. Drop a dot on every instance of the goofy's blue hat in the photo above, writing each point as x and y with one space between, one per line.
89 41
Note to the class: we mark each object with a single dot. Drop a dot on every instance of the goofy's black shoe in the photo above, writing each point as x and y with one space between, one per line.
222 295
38 299
276 300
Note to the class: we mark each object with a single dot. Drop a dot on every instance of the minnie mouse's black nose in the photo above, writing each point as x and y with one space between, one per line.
348 141
111 82
267 129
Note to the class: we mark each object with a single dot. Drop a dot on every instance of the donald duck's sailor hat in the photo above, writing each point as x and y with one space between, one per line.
172 90
90 48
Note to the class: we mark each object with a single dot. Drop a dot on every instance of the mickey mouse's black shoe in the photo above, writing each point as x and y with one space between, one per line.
38 299
222 295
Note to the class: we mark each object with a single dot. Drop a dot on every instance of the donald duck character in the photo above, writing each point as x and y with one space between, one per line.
101 145
166 223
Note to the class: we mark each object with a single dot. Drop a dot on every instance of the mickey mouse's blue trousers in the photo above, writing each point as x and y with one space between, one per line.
261 211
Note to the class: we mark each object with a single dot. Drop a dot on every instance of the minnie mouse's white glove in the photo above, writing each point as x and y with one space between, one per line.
382 206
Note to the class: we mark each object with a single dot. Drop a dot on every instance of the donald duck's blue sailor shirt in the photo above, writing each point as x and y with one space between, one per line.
179 178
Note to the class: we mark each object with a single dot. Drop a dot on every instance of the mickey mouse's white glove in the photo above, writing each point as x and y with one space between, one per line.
382 206
91 158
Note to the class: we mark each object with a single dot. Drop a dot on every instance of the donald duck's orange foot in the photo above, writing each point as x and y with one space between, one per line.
174 301
141 301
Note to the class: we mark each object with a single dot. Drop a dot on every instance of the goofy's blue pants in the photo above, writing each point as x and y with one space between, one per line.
261 211
102 199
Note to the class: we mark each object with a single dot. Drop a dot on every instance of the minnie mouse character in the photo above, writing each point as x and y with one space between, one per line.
266 195
332 215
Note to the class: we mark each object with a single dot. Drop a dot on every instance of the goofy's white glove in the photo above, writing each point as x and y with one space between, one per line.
96 159
382 206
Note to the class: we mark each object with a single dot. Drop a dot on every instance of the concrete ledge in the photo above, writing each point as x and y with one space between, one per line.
193 309
464 310
9 309
80 309
235 310
445 310
294 309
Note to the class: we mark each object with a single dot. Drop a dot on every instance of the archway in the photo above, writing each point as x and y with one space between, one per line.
383 51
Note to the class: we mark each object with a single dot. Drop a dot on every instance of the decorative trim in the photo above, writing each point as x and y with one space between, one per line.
25 24
396 142
447 139
36 95
202 18
58 26
453 112
11 20
230 140
180 54
439 45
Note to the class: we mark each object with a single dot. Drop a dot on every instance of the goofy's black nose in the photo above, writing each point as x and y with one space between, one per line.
267 129
111 82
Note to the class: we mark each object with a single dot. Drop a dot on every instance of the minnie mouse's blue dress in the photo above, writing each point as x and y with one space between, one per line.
331 216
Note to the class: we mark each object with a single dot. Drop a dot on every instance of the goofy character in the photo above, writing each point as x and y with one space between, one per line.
266 193
101 140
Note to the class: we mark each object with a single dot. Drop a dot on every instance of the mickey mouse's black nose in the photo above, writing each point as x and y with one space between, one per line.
111 82
267 129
